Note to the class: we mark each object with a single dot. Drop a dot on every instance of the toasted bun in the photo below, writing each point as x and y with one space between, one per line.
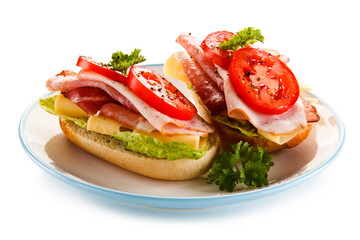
230 135
113 150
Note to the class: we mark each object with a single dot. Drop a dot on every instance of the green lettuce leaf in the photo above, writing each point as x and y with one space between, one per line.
153 147
48 105
244 126
136 142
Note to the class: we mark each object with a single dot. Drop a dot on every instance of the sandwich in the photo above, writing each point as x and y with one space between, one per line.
247 93
133 117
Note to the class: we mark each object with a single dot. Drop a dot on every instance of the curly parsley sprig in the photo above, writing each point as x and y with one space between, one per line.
253 171
121 62
244 37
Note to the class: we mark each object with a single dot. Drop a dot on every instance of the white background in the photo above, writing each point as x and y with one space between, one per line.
40 38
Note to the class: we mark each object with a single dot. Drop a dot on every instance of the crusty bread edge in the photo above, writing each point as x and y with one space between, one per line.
229 135
113 150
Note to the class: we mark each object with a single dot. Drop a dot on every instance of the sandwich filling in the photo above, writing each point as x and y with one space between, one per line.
223 100
109 107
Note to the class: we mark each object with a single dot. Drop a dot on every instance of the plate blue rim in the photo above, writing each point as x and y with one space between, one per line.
181 202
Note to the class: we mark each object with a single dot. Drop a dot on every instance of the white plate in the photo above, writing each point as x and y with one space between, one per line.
44 142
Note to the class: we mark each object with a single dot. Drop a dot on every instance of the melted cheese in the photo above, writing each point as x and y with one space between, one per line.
66 107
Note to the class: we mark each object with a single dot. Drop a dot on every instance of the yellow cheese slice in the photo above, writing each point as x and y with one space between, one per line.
104 125
203 142
66 107
172 68
280 139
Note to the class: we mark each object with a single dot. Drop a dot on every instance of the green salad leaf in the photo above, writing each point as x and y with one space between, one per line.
244 37
244 126
48 105
253 171
153 147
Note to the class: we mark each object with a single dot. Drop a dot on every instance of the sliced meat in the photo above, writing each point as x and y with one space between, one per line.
310 111
207 90
68 80
193 47
126 117
90 99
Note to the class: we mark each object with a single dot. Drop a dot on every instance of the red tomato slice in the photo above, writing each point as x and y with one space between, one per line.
159 93
211 44
263 81
89 64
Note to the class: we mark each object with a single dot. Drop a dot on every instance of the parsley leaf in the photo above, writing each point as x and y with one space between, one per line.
253 170
244 37
121 62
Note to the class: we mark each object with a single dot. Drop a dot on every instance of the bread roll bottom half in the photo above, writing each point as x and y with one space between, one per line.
113 151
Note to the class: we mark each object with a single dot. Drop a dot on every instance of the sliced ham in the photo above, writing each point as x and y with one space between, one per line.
165 124
207 90
193 47
68 80
126 117
90 99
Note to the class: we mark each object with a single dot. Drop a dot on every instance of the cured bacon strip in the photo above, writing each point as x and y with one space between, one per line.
207 90
192 46
126 117
68 80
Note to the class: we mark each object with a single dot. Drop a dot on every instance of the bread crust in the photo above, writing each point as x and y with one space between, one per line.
229 135
113 150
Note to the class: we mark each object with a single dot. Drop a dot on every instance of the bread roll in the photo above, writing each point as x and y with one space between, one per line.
230 135
113 150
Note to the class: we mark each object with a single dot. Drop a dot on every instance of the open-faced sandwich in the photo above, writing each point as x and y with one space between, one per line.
246 93
132 117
